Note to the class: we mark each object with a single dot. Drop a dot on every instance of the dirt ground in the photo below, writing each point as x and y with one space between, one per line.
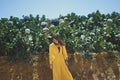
81 68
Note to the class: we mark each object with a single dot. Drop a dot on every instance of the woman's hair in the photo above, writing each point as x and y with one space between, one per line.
57 37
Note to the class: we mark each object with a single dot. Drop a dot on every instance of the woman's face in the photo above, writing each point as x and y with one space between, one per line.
55 41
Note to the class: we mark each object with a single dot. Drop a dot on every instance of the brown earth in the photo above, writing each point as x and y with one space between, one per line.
81 68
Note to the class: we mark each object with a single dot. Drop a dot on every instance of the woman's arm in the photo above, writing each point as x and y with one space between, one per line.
64 52
51 66
51 56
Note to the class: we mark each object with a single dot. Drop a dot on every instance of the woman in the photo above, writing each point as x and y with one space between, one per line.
58 60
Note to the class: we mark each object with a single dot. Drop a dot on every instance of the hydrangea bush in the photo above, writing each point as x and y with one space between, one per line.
95 32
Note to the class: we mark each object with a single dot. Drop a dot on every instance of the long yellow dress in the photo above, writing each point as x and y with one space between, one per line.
57 59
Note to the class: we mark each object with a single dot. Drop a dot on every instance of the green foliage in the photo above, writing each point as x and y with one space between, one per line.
93 33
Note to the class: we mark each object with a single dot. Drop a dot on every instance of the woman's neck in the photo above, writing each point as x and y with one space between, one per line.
58 45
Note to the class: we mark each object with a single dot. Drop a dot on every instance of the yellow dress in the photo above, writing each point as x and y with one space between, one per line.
57 59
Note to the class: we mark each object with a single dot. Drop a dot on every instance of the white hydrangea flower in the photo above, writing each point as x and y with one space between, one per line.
105 19
104 47
84 23
76 33
108 35
109 20
104 40
30 38
105 32
82 27
105 28
10 22
38 24
61 21
44 24
95 41
14 39
72 34
93 54
80 45
92 33
98 30
65 18
10 30
91 18
17 22
52 26
40 34
104 24
82 36
49 36
88 38
45 29
24 26
72 41
32 44
118 35
27 31
83 31
28 49
40 46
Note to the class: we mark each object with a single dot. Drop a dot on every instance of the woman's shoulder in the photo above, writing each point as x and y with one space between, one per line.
52 44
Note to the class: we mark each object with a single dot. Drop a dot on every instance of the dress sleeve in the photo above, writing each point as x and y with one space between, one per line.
64 52
51 54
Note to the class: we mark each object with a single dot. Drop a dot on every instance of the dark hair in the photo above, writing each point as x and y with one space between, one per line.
57 37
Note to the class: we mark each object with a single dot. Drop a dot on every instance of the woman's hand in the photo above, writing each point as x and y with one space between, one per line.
51 66
66 61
